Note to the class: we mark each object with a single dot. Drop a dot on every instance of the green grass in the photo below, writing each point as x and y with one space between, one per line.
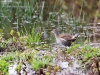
4 67
86 52
33 37
39 63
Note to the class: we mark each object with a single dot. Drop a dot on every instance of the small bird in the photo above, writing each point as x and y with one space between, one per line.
64 39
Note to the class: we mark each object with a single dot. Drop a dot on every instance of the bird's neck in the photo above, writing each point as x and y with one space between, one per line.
56 34
57 38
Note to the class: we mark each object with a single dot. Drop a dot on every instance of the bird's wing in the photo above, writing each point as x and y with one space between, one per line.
65 37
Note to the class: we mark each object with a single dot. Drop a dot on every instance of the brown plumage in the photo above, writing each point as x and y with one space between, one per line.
64 39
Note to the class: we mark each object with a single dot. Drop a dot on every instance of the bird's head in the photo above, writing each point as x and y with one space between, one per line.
55 31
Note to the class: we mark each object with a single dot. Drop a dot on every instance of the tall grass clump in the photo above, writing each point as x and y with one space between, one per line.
33 37
17 14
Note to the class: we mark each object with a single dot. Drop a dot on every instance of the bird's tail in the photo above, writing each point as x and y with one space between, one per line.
74 37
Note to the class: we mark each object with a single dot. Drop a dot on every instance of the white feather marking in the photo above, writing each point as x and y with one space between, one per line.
75 36
59 40
62 39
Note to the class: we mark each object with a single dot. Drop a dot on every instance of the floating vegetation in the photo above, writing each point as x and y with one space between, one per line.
38 60
8 57
18 68
4 67
85 55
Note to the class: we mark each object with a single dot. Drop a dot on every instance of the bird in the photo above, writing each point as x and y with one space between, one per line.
64 39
